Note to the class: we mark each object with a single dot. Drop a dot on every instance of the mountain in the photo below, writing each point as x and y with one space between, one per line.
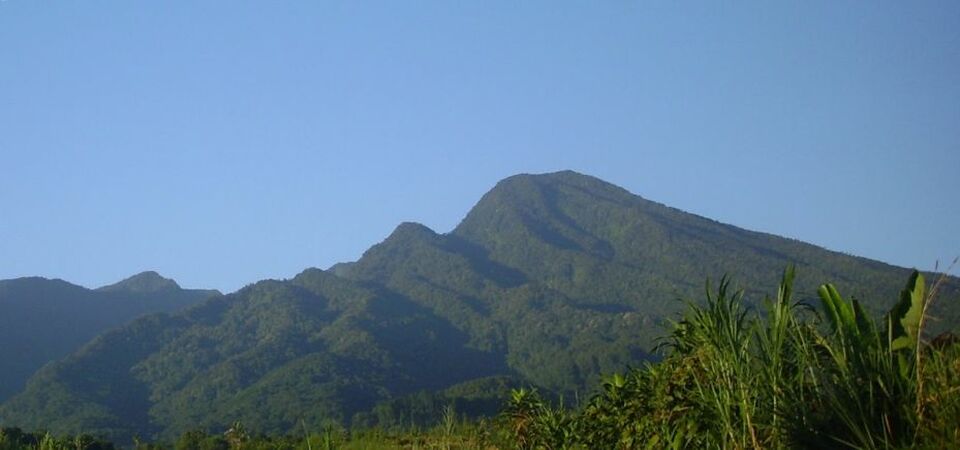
549 280
42 320
143 283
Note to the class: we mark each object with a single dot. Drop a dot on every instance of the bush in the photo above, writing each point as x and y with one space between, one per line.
784 377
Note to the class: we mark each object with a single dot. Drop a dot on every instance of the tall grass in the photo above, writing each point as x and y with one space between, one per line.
787 376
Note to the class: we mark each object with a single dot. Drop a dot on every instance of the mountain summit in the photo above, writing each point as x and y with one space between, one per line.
143 282
550 280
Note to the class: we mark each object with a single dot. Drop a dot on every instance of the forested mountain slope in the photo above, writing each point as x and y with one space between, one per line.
549 280
42 320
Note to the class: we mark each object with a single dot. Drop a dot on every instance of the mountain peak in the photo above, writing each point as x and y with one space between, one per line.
407 230
541 202
143 282
569 177
537 188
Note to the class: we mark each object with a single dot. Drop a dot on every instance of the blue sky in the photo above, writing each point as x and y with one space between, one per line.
224 142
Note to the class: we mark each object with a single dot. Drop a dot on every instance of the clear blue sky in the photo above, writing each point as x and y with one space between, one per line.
220 143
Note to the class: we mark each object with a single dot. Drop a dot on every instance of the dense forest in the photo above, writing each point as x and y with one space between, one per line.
549 284
790 375
71 315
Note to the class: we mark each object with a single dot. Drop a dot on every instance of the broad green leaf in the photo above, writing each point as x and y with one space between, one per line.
865 326
906 314
829 307
786 284
653 442
841 316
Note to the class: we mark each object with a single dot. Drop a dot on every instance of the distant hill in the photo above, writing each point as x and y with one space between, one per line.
550 280
42 320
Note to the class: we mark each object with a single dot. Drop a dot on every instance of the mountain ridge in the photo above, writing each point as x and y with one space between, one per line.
43 319
549 280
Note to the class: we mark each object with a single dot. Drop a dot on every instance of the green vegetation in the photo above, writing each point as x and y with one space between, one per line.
16 439
550 282
788 376
452 434
740 379
43 320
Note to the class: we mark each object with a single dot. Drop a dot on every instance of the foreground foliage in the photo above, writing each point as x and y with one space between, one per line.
451 433
787 377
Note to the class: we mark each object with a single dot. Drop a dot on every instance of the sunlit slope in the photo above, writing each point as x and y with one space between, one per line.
550 280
